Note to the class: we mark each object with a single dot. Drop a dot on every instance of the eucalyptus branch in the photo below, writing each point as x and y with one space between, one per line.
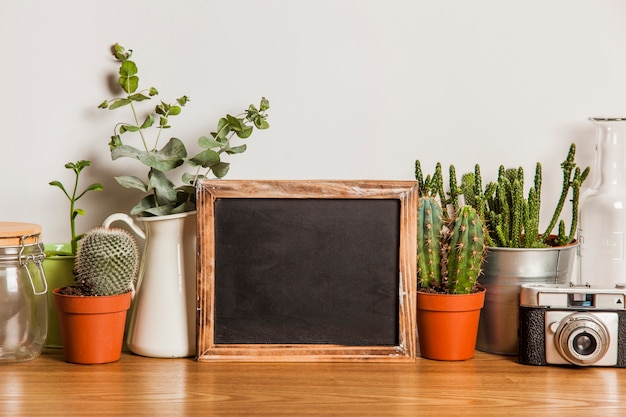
162 195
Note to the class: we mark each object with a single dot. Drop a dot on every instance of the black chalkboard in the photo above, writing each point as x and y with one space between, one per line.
306 270
306 267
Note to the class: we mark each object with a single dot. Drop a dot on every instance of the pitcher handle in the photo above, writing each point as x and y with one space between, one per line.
126 219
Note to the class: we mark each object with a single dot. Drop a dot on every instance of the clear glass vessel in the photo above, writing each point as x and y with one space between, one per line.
602 232
23 293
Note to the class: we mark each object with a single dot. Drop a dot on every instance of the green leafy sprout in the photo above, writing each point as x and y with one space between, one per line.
77 167
163 196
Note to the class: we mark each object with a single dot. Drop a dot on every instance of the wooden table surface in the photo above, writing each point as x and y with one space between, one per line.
137 386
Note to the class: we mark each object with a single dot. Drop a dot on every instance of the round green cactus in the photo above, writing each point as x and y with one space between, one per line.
107 262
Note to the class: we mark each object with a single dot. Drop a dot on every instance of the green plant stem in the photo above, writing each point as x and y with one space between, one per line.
73 242
143 139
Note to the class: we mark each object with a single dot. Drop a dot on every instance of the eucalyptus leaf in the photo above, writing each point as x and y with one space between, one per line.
130 181
164 191
208 143
234 123
144 204
223 128
206 158
120 53
169 157
125 151
129 84
245 132
184 207
128 69
236 149
159 210
138 97
148 122
129 128
261 124
119 103
187 178
220 170
186 189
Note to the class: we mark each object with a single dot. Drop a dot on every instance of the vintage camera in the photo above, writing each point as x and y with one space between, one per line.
572 325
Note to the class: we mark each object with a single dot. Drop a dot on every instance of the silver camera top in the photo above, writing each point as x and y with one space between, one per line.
578 297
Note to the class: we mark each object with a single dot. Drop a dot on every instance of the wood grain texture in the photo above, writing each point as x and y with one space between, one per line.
488 385
212 190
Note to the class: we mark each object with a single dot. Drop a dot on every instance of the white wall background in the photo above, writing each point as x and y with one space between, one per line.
358 88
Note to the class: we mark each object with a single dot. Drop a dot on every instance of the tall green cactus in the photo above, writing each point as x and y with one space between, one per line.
107 262
466 251
513 221
429 231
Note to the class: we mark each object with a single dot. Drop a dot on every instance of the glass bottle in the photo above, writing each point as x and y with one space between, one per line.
23 292
602 231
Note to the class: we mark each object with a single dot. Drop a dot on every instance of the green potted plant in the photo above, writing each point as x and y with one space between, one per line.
517 253
59 260
166 212
92 311
450 253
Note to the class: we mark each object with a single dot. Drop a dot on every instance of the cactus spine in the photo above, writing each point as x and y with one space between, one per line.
466 251
107 262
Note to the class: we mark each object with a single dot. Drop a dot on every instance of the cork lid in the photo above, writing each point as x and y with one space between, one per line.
11 233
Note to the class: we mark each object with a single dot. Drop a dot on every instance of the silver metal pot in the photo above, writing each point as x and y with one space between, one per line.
505 270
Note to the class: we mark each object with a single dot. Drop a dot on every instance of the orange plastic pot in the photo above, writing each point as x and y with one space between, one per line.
447 324
92 328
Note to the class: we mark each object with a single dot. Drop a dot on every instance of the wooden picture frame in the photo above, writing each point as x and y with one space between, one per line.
299 270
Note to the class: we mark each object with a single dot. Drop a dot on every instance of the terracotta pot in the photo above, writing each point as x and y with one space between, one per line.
448 324
92 328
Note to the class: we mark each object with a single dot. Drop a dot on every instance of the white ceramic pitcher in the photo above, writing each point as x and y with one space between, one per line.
162 320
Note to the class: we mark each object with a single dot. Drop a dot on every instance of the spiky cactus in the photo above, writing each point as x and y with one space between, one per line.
450 248
511 218
107 262
449 256
465 252
429 231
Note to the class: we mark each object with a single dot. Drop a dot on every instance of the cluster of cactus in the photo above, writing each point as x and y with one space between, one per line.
107 262
513 221
450 248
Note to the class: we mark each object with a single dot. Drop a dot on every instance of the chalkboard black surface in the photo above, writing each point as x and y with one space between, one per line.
301 270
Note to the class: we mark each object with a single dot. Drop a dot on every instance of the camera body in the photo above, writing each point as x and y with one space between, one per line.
572 325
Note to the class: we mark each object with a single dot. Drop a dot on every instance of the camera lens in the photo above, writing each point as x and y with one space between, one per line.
582 339
584 344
